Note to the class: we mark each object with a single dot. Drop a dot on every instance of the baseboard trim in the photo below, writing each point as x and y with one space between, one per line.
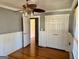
14 51
54 49
58 49
19 49
71 55
41 46
27 46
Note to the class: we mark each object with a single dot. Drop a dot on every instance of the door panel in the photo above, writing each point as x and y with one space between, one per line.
56 26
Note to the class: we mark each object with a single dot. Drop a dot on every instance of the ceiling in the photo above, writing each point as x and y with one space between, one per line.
48 5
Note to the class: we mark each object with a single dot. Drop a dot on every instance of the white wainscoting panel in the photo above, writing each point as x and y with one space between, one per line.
10 42
42 39
75 48
26 40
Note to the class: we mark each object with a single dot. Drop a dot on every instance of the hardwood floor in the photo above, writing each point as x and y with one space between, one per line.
40 53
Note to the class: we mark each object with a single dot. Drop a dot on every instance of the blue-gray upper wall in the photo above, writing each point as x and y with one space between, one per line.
10 21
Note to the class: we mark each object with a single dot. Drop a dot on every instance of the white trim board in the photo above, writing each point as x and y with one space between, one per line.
13 42
7 7
59 10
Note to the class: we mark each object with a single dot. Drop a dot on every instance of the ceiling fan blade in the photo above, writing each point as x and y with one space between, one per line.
38 10
27 0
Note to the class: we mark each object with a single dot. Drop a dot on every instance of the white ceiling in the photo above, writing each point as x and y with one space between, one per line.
48 5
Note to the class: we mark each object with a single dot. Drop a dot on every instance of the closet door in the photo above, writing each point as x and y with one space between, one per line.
56 27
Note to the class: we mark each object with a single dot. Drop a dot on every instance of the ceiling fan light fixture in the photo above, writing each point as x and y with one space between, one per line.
38 10
32 1
30 8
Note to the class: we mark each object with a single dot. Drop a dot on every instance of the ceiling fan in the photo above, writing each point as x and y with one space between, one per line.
31 8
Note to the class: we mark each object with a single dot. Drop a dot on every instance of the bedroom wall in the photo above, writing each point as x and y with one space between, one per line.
9 21
74 34
75 37
10 31
71 23
73 31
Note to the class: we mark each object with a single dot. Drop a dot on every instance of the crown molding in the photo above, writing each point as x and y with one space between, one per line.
59 10
7 7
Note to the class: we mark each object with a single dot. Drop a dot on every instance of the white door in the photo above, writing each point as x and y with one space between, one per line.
26 30
56 27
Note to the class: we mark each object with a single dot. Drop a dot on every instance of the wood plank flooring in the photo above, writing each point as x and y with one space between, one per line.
40 53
